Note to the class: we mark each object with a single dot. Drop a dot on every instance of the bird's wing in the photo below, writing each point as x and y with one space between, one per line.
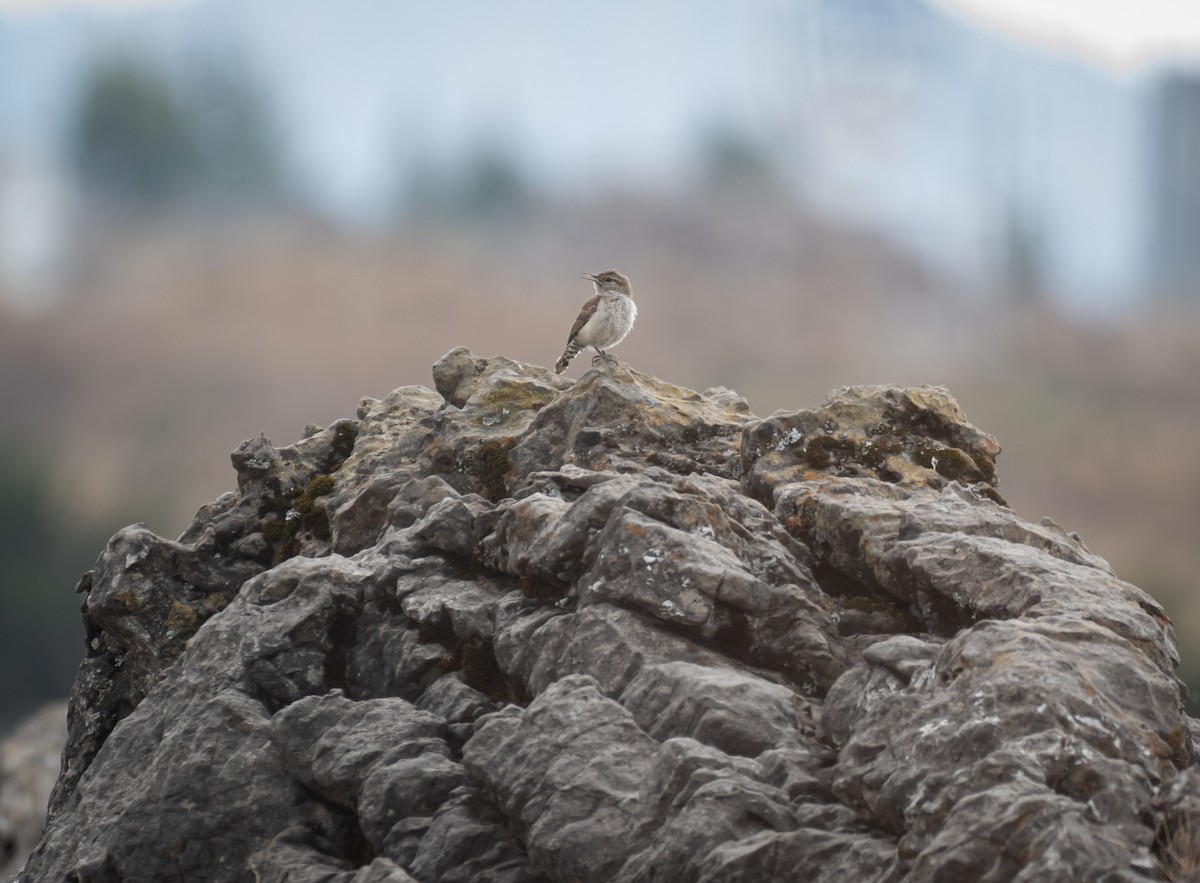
586 312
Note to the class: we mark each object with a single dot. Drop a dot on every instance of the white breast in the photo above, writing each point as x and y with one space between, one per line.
612 321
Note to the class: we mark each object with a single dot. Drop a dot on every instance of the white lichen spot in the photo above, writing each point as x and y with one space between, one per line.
922 678
705 531
490 420
1052 858
650 559
917 795
932 727
792 436
1041 709
1088 721
292 515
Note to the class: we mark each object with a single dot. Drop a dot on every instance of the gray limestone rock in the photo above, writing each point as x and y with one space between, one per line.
532 629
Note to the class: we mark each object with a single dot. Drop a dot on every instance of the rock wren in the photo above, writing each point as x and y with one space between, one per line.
604 320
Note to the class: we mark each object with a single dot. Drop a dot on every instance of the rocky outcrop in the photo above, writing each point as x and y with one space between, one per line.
524 628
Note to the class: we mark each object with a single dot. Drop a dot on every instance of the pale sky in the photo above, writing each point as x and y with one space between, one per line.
1117 33
52 4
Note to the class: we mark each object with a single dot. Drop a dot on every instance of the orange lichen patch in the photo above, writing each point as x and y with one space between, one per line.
1002 659
1175 738
1158 746
129 601
636 530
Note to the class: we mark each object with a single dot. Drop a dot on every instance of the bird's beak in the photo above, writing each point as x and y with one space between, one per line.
588 276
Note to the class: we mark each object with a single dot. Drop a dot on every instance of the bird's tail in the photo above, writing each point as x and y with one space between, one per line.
564 360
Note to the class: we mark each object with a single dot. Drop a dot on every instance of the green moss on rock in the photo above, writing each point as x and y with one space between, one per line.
876 451
949 463
489 463
344 438
825 451
296 513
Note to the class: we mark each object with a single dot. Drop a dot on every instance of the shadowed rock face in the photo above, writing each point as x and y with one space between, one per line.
613 630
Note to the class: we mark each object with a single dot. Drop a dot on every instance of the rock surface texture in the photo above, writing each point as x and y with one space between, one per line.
529 629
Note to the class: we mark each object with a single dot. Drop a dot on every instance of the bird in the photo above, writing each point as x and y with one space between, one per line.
604 319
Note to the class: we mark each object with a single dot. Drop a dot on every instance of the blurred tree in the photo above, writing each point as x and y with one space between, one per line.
132 139
1175 184
485 185
234 132
729 157
208 139
493 182
1024 259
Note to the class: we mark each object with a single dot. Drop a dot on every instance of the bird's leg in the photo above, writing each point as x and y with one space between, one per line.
600 354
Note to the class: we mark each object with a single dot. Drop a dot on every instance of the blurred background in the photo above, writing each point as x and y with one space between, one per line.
221 218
